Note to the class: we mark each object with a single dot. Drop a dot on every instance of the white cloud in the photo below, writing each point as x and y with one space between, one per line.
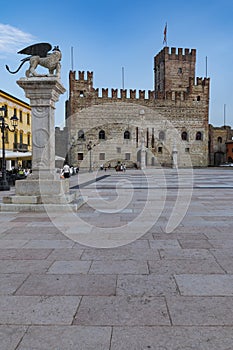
12 39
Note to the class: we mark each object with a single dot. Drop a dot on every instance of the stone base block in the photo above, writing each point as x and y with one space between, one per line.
20 207
60 199
43 187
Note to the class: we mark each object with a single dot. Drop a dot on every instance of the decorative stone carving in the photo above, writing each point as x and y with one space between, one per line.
39 55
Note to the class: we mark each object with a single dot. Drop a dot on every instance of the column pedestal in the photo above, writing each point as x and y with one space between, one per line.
44 185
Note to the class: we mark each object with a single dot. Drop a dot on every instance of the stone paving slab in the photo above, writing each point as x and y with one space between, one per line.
120 253
10 282
185 254
10 244
24 266
24 254
195 244
27 310
60 284
186 266
10 336
65 254
201 311
152 285
172 338
221 244
165 244
32 234
66 338
205 285
119 267
69 267
45 243
119 311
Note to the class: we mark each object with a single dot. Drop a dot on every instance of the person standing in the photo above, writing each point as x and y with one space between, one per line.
66 171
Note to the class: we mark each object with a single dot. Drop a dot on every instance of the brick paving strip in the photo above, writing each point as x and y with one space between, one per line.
165 291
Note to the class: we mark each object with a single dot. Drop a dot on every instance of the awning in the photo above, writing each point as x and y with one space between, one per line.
15 155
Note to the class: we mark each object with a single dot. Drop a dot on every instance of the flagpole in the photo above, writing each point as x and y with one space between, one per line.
206 66
165 35
72 58
123 78
224 114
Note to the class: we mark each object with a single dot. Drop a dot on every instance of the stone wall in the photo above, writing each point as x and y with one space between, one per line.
218 136
179 106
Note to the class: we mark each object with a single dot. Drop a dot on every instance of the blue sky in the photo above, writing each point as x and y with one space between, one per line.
107 35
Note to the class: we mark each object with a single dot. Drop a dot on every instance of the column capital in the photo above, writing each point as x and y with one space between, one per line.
42 91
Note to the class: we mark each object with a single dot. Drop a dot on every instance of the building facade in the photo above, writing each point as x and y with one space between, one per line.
18 143
220 139
119 124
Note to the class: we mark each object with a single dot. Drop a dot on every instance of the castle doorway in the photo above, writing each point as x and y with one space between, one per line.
218 158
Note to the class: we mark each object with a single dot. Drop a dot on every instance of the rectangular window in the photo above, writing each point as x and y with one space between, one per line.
80 156
28 119
118 150
6 111
102 156
15 137
6 137
127 156
20 116
29 140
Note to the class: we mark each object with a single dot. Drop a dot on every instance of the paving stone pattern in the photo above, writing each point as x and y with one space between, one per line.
164 291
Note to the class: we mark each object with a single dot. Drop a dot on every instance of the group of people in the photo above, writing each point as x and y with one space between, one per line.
121 167
68 171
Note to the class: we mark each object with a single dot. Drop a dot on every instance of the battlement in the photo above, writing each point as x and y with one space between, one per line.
82 76
123 94
173 53
198 85
199 81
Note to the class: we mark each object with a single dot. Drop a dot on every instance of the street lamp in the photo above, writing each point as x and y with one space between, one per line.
4 186
89 148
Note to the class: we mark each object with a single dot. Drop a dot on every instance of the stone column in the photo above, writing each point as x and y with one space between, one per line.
143 152
43 93
44 184
174 157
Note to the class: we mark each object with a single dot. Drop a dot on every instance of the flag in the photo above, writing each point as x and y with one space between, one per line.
165 35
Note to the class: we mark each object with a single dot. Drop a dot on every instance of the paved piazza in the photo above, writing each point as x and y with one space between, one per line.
145 263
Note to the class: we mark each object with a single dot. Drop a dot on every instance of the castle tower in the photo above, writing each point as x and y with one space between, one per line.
172 70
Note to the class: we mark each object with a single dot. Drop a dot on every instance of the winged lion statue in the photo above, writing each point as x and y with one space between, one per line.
40 55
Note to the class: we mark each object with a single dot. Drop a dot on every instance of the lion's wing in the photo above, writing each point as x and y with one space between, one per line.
40 49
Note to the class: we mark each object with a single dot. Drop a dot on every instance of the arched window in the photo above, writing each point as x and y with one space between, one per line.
184 136
126 135
161 136
102 135
219 139
81 135
198 136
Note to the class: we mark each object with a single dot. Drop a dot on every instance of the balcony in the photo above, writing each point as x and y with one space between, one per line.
20 147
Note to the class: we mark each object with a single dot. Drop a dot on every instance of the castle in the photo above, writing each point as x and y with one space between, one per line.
141 127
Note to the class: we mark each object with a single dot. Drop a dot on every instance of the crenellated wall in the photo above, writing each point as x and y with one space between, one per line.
179 101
